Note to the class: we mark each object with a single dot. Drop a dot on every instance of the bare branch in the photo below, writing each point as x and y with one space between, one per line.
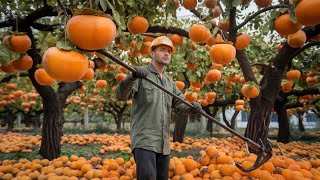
303 92
7 23
233 25
44 27
282 59
310 44
224 116
168 30
9 77
195 12
259 12
245 66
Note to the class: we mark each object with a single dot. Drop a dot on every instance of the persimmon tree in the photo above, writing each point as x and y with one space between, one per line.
215 62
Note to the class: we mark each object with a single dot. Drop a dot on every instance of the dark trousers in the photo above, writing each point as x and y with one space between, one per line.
151 165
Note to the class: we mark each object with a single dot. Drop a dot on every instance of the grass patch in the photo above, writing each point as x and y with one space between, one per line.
187 152
19 155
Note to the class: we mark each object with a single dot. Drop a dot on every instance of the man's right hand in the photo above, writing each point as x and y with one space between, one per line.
140 73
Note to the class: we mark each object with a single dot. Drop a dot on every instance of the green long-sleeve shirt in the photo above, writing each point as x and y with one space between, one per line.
151 110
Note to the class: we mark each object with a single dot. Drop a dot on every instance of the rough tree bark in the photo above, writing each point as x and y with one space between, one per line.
283 129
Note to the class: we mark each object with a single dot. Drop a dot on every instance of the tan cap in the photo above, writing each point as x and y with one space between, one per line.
162 40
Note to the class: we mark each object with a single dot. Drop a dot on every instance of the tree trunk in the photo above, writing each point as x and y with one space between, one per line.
37 122
258 124
300 117
283 130
51 131
181 121
213 114
233 120
119 121
10 119
27 119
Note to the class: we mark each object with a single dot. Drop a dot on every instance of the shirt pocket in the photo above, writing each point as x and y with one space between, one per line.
149 91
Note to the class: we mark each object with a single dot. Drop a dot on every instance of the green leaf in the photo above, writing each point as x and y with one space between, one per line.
130 3
4 56
64 45
117 16
236 3
139 45
215 30
292 17
103 4
193 78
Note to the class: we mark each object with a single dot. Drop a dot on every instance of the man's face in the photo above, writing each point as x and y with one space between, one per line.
162 54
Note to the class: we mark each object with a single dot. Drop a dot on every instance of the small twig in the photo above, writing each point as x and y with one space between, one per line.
259 12
63 8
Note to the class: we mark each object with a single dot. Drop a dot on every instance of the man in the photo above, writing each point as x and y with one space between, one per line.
151 112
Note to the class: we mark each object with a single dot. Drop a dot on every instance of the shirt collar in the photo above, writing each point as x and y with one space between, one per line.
154 70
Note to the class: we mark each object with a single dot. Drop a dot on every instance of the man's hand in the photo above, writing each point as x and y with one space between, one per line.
140 73
197 108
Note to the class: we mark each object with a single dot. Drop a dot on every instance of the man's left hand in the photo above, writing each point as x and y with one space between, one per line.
196 109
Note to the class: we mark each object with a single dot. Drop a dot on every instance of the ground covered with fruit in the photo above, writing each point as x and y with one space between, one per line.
103 156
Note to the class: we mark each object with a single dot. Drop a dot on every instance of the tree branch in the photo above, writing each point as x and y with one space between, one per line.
224 116
245 66
310 44
303 92
293 105
9 77
196 13
168 30
44 27
259 12
117 109
282 59
65 89
123 108
39 13
233 119
7 23
233 25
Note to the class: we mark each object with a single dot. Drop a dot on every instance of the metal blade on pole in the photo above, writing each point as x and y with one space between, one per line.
252 144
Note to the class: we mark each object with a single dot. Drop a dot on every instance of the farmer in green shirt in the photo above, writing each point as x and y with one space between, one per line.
151 112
